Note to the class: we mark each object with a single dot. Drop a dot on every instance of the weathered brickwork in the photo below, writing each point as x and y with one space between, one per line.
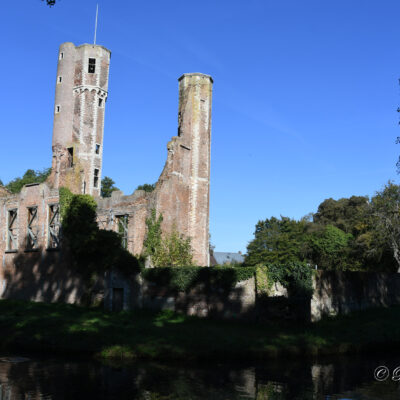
81 93
33 266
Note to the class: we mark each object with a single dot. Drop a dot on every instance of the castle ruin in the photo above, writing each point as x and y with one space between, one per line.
30 220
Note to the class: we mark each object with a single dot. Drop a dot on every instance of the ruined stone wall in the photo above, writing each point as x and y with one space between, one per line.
37 269
338 292
135 207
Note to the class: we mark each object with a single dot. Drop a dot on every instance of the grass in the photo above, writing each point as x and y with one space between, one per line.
63 328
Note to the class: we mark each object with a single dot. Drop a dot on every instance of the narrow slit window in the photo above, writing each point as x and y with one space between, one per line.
59 79
97 150
58 108
70 157
61 56
32 229
12 230
100 102
96 178
54 227
92 65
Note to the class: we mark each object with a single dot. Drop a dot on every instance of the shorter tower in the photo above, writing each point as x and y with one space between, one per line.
81 94
183 190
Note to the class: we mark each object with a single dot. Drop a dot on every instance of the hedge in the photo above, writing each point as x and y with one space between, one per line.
182 279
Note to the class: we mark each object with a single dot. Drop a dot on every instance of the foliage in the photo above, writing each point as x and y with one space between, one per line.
347 234
295 276
147 187
346 214
278 241
171 250
385 207
182 279
175 251
93 250
330 247
1 183
107 187
152 242
30 176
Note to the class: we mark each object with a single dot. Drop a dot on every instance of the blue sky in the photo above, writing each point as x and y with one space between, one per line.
304 107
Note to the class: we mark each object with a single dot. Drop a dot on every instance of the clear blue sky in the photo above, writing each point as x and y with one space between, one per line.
304 108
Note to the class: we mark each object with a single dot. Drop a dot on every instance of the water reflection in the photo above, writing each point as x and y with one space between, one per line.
333 379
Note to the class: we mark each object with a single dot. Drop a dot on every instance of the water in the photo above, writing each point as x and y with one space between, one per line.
348 377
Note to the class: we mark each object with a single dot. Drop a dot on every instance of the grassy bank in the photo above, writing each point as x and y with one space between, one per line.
62 328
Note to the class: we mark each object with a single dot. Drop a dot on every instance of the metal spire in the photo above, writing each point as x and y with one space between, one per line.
95 26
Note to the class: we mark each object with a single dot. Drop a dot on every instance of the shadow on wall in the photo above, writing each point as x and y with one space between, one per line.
44 275
342 292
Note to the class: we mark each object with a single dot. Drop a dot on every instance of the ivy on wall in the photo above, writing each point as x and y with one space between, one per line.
182 279
93 250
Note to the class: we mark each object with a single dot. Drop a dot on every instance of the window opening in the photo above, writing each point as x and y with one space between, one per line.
58 108
54 226
100 102
97 150
12 230
61 56
96 178
59 79
70 157
92 65
32 230
122 221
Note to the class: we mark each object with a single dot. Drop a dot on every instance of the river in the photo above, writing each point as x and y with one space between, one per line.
350 378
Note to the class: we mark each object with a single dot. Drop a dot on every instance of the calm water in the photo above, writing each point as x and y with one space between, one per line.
333 379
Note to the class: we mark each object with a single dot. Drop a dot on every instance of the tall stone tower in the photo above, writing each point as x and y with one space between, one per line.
183 190
81 94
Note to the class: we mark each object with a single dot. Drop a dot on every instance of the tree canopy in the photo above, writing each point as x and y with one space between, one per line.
30 176
107 187
355 233
147 187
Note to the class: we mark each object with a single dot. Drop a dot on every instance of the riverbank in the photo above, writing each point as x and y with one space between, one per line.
63 328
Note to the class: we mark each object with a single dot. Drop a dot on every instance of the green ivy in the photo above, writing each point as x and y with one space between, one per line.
182 279
296 276
92 250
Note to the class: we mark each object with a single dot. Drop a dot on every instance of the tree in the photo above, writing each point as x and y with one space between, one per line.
107 187
1 183
147 187
172 250
152 243
276 240
385 206
330 248
30 176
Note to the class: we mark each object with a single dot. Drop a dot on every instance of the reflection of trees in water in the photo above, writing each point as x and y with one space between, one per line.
272 380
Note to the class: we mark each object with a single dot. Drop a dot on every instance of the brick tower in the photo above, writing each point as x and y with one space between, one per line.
81 93
183 190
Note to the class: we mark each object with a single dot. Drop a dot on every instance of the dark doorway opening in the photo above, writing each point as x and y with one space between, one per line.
118 299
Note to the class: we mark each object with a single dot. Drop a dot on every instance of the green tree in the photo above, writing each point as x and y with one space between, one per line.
330 248
93 250
276 240
147 187
152 242
385 207
1 183
107 187
166 250
30 176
